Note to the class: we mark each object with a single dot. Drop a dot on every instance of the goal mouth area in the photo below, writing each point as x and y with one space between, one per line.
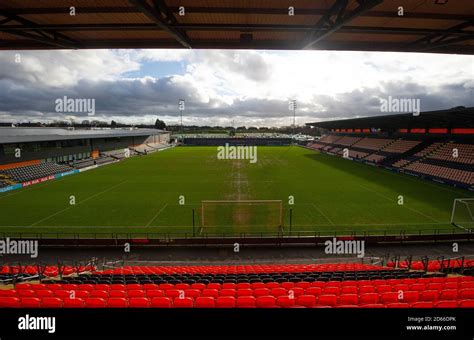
241 215
462 215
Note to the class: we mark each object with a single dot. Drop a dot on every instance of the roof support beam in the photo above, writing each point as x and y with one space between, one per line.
233 10
338 9
48 37
156 17
242 27
444 38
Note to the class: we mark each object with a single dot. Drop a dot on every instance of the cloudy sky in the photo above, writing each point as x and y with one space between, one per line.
225 87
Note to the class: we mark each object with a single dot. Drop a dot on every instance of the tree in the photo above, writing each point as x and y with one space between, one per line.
159 124
113 124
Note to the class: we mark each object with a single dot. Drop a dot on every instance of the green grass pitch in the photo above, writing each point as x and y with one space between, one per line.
142 194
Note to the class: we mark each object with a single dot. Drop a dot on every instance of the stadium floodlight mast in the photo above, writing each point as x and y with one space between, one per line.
181 109
293 107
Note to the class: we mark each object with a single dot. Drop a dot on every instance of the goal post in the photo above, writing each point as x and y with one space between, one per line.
462 214
243 215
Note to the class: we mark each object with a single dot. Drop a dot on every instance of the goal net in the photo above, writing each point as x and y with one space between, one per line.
463 213
242 215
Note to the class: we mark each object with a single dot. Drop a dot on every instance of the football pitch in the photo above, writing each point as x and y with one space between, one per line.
157 193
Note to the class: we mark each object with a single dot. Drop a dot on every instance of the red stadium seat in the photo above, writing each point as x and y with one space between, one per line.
349 290
73 303
148 286
102 286
257 285
276 292
95 303
389 297
30 302
245 301
26 293
186 302
327 300
410 296
46 293
9 302
117 302
118 286
138 302
8 292
173 293
204 302
285 301
87 287
225 302
118 294
466 294
306 300
368 298
135 293
349 299
332 290
244 292
20 286
228 292
429 295
265 301
228 285
449 294
384 289
161 302
446 304
272 285
261 292
134 286
154 293
51 302
243 285
210 292
366 289
466 304
82 294
99 294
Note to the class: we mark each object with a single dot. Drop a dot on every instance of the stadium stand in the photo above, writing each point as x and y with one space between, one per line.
347 140
35 171
373 143
464 153
424 156
263 286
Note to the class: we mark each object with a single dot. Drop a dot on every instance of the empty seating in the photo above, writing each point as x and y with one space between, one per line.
401 146
35 171
372 143
253 286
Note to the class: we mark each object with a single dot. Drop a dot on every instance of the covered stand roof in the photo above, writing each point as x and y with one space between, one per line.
456 117
438 26
23 135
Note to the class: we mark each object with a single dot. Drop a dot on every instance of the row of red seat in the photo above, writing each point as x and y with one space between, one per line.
382 290
436 283
50 271
243 269
227 302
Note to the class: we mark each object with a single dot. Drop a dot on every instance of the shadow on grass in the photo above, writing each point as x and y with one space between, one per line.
437 195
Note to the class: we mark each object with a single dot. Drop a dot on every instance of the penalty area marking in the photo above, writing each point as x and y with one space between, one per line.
72 206
156 215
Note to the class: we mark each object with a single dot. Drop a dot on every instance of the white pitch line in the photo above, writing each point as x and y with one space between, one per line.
322 214
392 200
72 206
156 215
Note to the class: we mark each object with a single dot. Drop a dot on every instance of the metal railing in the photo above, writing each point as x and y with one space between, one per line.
399 233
